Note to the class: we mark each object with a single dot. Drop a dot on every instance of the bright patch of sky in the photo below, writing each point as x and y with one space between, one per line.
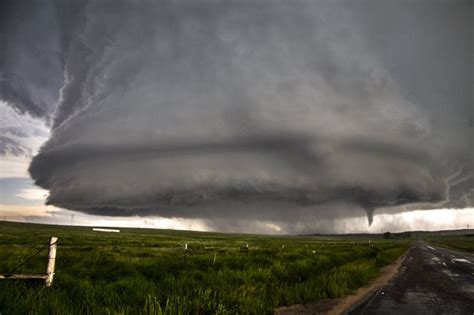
14 166
429 220
21 136
21 191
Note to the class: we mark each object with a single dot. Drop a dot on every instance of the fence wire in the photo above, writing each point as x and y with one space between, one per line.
15 268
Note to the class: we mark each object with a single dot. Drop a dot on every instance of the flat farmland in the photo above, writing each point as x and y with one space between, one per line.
148 271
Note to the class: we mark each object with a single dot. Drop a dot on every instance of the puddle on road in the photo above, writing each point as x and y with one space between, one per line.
451 274
412 302
417 296
464 286
461 260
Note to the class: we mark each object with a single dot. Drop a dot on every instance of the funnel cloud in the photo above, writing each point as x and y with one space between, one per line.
257 110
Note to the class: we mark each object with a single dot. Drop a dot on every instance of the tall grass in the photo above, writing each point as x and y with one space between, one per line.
147 272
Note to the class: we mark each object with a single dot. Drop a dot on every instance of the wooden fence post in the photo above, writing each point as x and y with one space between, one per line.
185 251
51 261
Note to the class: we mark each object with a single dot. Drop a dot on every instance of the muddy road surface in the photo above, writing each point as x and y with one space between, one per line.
431 280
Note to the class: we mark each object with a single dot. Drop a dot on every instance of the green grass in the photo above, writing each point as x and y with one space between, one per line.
140 271
463 242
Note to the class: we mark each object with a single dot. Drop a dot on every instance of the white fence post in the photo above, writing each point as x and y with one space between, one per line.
51 261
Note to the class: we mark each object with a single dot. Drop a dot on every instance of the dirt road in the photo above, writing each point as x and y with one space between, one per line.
432 280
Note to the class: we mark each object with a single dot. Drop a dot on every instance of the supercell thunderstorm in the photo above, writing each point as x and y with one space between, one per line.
269 111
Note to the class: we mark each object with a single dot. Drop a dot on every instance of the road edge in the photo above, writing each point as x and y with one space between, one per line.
350 302
367 292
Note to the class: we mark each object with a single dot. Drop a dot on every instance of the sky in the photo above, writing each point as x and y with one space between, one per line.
238 116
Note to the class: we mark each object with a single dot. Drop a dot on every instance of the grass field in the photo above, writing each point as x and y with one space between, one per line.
463 242
142 271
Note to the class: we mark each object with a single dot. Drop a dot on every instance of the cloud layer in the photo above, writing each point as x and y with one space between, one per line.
276 111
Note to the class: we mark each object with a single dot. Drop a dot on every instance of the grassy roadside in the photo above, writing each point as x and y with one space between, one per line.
142 271
462 242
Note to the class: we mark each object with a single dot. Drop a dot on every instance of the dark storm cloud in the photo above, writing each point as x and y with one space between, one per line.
263 110
30 66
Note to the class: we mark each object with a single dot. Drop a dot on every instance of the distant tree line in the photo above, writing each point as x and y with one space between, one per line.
388 235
